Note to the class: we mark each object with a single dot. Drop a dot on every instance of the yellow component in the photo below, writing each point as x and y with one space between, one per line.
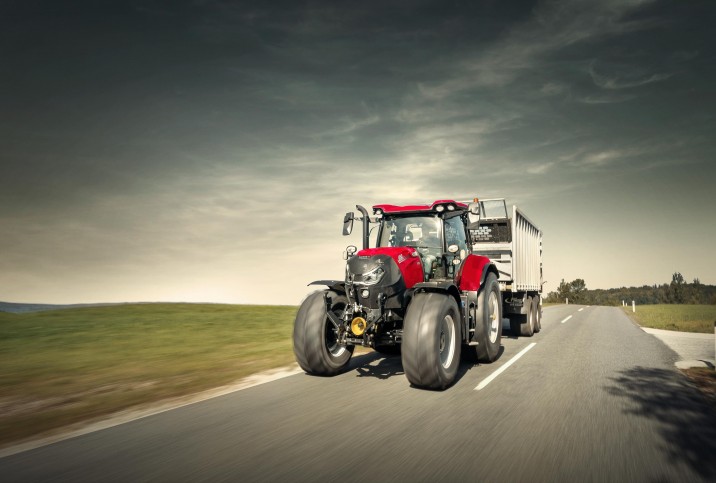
358 326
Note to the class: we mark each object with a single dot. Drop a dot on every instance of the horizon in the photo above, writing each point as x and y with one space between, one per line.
95 303
207 151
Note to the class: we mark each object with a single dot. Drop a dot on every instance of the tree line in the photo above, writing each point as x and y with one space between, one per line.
678 291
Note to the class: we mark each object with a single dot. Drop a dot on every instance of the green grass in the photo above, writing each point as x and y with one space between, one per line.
685 318
64 366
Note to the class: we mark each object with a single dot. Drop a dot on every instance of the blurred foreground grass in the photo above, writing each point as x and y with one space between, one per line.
64 366
685 318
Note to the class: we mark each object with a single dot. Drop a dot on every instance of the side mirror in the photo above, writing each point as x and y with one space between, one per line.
348 223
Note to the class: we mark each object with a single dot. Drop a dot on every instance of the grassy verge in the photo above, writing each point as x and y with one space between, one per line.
65 366
685 318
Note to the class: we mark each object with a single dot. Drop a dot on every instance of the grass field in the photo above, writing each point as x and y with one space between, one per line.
63 366
686 318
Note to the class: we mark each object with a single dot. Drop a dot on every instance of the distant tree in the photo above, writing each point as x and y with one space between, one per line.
677 288
564 290
579 287
678 291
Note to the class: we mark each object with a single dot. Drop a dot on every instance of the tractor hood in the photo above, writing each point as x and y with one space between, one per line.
389 271
405 259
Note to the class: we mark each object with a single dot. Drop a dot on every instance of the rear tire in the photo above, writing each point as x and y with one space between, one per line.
431 340
314 337
523 324
527 328
538 313
488 330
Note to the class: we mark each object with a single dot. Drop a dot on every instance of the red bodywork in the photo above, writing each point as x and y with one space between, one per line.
410 208
406 258
468 277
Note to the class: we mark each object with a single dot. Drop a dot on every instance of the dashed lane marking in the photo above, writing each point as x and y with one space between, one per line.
502 369
580 309
566 319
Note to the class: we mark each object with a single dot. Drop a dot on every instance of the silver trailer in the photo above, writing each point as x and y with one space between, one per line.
514 244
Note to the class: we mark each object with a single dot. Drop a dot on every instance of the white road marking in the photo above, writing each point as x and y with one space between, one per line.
565 320
580 309
502 369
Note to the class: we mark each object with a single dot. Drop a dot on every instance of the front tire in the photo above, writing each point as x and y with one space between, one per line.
488 331
315 342
431 341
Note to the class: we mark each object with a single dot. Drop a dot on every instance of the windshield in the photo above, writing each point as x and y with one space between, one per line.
413 231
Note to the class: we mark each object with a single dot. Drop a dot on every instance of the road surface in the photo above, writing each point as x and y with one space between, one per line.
594 399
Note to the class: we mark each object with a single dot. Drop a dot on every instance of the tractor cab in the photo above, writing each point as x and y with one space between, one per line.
436 232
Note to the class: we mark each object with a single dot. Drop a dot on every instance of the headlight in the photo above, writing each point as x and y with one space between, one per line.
373 277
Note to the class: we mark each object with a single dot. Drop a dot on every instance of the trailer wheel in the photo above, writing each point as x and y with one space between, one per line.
315 342
523 324
488 331
538 313
527 328
431 340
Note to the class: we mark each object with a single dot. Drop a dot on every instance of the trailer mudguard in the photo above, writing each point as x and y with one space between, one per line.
473 272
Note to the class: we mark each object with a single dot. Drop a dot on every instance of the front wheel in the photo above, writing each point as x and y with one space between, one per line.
315 338
431 341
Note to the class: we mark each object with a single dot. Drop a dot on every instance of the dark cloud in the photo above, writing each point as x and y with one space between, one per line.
151 136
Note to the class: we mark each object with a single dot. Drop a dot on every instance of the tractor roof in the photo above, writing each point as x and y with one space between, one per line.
438 206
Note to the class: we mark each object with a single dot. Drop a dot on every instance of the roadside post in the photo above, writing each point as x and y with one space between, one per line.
633 306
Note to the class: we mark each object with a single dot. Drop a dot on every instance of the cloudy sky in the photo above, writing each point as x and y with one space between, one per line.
207 150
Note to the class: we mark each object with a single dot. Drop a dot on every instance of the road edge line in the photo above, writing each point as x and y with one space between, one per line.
152 409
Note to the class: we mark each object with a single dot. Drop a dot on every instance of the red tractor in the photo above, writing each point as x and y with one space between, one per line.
421 292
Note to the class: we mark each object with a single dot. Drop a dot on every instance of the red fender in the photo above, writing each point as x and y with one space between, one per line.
470 272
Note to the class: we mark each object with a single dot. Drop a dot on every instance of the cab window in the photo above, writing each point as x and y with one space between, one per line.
455 233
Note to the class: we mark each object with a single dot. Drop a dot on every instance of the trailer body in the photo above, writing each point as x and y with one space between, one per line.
514 244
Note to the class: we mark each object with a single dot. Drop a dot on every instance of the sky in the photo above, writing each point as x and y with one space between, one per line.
206 151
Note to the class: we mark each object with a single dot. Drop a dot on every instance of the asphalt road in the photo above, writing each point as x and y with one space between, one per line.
595 399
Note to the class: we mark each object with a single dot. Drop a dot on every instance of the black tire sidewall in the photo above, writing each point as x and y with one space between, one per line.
421 340
309 343
488 351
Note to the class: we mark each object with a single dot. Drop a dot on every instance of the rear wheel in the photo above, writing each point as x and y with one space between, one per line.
523 324
538 313
488 328
431 340
315 338
527 327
